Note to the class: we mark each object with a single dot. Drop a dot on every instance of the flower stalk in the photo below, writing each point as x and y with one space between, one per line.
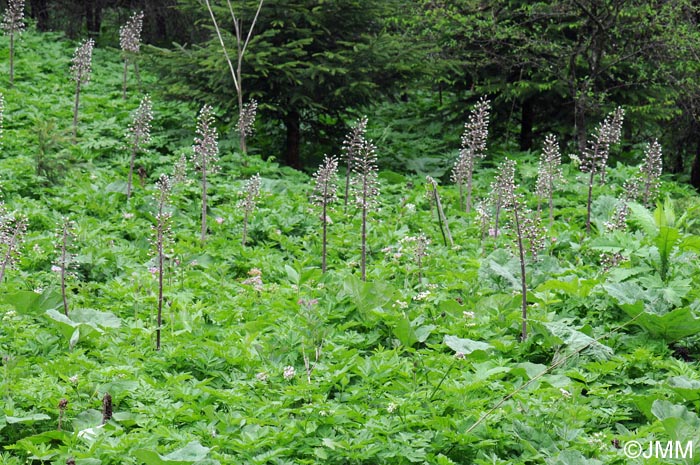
65 237
325 194
205 157
139 135
473 147
130 42
595 156
161 232
549 174
364 185
81 69
13 25
442 219
529 236
251 192
12 231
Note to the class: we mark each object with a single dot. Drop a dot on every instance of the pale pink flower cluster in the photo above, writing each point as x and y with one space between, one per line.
250 193
360 155
476 131
130 33
82 62
325 187
206 144
13 19
254 280
608 133
140 128
289 372
246 119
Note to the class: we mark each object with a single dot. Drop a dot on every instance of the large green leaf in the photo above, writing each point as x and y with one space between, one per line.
464 346
680 423
10 420
625 292
674 325
369 297
644 218
193 452
575 287
29 302
576 340
571 457
689 389
27 418
411 332
83 323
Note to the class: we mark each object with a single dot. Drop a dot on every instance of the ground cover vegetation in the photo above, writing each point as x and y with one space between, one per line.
482 306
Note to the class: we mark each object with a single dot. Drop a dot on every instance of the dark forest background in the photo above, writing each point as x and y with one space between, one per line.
416 68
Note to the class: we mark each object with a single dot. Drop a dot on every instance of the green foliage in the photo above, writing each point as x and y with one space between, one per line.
407 364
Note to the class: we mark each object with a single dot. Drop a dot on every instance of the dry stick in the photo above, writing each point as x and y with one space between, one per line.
544 372
241 50
441 214
236 74
307 363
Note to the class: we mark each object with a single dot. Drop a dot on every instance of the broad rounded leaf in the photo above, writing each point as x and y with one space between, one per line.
464 346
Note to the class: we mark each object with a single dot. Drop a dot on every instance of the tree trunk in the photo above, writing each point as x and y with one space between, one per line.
580 124
40 12
527 121
93 18
695 169
291 153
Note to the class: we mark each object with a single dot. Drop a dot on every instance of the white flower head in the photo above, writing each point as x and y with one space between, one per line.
289 372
